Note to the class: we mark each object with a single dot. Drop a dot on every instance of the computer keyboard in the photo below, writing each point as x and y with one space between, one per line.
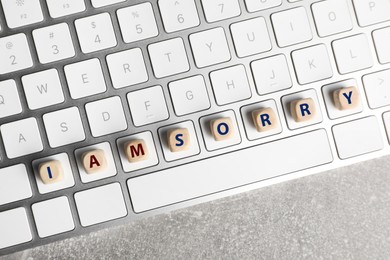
115 110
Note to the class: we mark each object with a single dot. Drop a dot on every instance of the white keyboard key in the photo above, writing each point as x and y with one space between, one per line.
210 47
332 17
189 95
60 8
178 15
101 3
220 10
366 137
256 5
377 88
193 180
372 11
53 43
14 228
251 37
352 54
137 22
85 78
95 33
21 13
168 57
21 138
100 204
9 99
271 74
64 127
127 68
53 217
43 89
230 85
147 106
14 184
291 27
106 116
382 43
312 64
14 53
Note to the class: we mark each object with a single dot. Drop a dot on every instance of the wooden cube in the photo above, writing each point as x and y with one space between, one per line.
303 109
179 139
265 119
222 128
136 150
346 98
94 161
51 172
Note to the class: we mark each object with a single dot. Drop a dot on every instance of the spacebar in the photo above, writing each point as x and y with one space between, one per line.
230 170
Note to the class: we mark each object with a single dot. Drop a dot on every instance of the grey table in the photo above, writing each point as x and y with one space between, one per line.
341 214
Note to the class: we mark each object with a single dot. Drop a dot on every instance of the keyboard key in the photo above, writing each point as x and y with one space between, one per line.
60 8
14 53
271 74
346 98
179 141
85 78
189 95
66 181
146 195
106 116
377 90
137 22
14 184
21 13
21 138
352 54
147 106
210 47
229 134
255 5
43 89
332 17
95 33
64 127
94 161
53 43
127 68
220 10
51 172
168 57
178 15
312 64
137 151
366 137
372 11
9 99
53 216
14 228
230 85
100 204
251 37
101 3
382 41
291 27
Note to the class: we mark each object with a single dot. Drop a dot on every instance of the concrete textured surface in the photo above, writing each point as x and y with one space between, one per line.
340 214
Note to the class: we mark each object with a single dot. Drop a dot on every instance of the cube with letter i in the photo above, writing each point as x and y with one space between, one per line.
51 172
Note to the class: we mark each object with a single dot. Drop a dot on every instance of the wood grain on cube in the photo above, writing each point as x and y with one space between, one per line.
346 98
51 172
264 119
94 161
222 128
303 109
179 139
136 150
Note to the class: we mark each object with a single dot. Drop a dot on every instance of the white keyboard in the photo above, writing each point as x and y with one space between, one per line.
115 110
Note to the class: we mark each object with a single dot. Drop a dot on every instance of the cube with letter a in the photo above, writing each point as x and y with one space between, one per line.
94 161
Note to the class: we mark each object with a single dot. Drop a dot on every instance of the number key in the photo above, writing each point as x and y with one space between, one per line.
217 10
178 15
14 53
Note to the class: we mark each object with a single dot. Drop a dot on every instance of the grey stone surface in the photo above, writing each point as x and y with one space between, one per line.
340 214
